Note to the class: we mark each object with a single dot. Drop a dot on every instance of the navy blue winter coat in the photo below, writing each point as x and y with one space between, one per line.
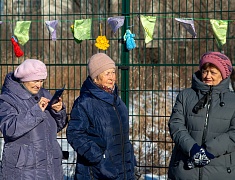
31 150
99 132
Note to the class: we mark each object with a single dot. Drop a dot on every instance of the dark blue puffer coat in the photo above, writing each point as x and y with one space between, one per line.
99 132
31 150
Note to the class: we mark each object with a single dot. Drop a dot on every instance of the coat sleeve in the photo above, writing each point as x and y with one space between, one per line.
60 117
86 143
223 143
14 123
177 127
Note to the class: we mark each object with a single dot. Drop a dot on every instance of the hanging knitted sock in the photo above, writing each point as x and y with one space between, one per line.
17 50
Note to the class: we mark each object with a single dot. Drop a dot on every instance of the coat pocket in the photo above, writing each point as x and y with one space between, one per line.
10 155
105 169
19 156
26 157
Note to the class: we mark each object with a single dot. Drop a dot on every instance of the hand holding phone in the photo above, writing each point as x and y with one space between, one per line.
56 96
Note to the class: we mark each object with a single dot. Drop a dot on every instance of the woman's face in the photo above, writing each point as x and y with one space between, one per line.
106 78
211 76
33 86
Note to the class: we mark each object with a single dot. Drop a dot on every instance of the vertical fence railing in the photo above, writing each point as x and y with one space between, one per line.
125 55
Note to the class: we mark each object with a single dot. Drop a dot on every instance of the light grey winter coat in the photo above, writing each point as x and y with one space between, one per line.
31 150
213 126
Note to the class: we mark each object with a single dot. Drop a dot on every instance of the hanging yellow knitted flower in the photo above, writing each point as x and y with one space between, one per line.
101 41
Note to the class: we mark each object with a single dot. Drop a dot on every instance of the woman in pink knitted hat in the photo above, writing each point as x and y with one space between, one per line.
98 129
202 124
29 125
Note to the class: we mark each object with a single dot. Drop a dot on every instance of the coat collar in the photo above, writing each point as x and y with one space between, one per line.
90 87
197 84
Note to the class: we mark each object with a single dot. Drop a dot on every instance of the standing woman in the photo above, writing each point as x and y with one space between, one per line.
29 126
202 124
98 129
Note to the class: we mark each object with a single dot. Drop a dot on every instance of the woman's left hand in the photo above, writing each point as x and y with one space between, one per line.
57 106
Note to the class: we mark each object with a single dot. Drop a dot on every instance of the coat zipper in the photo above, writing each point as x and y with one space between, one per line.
91 173
121 133
206 125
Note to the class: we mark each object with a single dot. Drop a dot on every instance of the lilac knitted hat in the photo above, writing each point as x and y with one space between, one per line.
99 63
221 61
31 70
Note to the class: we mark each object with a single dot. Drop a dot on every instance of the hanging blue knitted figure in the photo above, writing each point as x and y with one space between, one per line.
129 38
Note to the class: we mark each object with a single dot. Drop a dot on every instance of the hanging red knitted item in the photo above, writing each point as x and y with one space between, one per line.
17 50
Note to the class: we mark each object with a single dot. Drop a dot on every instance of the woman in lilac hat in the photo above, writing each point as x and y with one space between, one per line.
202 124
29 126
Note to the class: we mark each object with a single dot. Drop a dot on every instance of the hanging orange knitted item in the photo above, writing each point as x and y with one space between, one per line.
17 50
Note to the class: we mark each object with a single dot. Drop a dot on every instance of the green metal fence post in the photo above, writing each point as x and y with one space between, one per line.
125 55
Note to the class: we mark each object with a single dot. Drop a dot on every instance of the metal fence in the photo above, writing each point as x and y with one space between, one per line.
149 76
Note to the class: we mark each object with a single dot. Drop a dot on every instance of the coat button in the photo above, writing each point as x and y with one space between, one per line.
222 104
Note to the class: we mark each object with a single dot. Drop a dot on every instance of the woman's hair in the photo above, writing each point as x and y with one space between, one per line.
206 65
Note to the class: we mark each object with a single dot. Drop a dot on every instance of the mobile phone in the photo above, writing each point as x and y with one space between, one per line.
56 96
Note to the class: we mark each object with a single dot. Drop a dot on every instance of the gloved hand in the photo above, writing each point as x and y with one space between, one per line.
209 155
195 149
199 157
